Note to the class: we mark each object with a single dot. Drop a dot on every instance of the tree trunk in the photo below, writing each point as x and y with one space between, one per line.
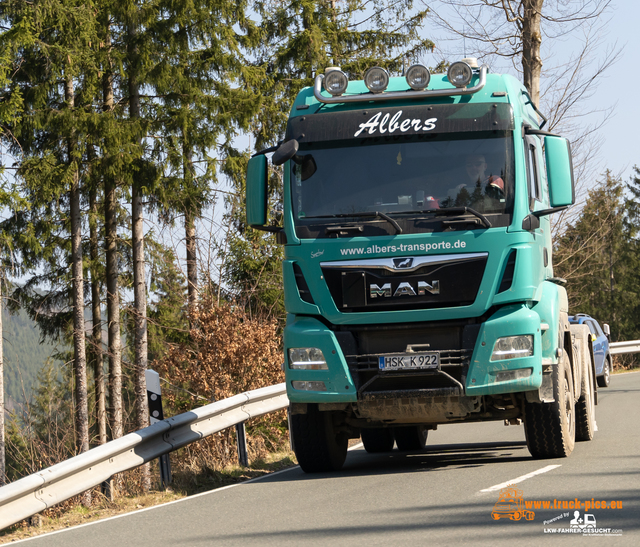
137 242
96 315
190 235
79 354
531 40
3 479
111 274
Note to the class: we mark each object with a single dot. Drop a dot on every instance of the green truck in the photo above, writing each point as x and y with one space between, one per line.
418 275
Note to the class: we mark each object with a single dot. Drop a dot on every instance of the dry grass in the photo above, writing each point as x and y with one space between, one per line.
206 480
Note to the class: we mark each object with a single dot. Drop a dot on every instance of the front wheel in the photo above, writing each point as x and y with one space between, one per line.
550 427
411 438
317 443
377 439
603 381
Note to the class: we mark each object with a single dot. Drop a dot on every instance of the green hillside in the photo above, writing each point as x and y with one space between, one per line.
24 355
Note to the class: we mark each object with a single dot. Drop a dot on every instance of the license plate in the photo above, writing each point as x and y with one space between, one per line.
410 361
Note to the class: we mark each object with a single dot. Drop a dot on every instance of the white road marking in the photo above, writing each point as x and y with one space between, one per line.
519 479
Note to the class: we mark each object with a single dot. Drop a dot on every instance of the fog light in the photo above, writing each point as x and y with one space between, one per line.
460 74
376 79
418 77
309 386
512 347
307 359
518 374
335 81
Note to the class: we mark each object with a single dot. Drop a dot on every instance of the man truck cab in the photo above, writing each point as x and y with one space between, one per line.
419 286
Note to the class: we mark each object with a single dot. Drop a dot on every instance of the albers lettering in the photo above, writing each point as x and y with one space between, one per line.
404 289
391 124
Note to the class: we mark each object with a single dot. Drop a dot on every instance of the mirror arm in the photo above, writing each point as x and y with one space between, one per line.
546 212
267 150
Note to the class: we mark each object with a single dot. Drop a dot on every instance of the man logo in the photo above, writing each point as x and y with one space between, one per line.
402 263
404 289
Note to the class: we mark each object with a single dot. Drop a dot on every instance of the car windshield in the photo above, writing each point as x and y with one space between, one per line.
400 175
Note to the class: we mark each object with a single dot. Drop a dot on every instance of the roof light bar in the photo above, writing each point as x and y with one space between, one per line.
394 95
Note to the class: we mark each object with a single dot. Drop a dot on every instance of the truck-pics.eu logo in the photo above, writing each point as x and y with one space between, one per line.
510 505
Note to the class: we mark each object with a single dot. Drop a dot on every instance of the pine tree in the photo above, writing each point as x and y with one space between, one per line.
51 139
593 255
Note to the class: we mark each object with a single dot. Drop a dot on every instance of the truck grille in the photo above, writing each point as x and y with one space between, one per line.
387 284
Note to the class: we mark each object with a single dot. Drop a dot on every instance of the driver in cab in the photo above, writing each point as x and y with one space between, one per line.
481 190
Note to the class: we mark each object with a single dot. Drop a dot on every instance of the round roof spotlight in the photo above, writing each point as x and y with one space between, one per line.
418 77
376 79
335 81
460 74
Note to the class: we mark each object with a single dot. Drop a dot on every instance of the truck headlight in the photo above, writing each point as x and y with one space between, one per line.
460 74
307 359
376 79
512 347
418 77
309 386
335 81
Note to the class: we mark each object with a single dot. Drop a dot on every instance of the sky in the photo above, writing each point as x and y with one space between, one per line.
618 88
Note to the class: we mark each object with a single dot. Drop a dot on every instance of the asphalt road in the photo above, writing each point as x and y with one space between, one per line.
442 496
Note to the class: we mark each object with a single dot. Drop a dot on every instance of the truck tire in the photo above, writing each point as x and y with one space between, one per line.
603 381
411 437
585 407
317 444
377 439
550 427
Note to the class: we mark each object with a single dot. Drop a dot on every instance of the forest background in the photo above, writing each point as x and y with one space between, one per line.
125 129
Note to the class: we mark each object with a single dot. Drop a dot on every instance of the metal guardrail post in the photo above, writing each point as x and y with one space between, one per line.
156 414
241 439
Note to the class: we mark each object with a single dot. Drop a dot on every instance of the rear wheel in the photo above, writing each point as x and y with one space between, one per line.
585 407
316 442
411 437
377 439
603 381
550 427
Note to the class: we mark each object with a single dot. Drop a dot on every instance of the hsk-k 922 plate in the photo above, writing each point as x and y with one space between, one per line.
410 361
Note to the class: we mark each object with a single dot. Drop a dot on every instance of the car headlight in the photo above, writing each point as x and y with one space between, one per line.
307 359
512 347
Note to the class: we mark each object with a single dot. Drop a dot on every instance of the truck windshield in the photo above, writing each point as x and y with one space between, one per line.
403 176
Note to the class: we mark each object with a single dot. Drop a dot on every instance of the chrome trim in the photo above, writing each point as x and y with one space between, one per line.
387 263
392 95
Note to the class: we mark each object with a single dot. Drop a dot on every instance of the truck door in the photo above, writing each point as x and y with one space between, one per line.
538 195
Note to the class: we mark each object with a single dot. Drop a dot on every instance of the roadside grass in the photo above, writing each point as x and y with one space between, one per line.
72 513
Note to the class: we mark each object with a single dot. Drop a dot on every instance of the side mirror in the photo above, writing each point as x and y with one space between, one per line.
285 151
559 171
256 198
607 330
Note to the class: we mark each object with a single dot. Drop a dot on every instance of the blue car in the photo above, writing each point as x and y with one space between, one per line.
600 346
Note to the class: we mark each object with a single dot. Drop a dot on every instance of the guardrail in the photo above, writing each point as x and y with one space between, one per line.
630 346
31 495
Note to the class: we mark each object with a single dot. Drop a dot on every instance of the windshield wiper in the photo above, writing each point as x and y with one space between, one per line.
461 210
375 214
